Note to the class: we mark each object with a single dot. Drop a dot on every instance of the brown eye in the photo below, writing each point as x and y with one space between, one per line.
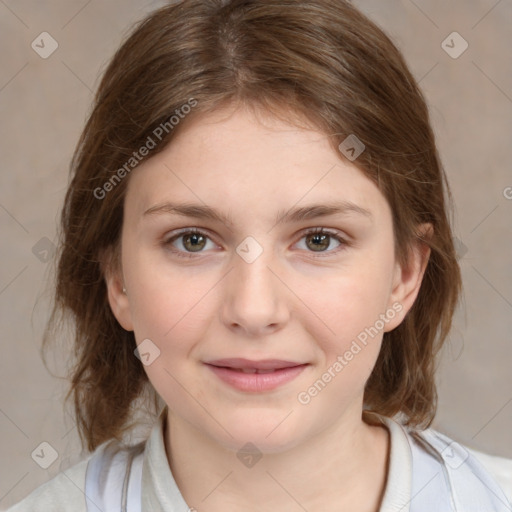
186 243
194 242
318 240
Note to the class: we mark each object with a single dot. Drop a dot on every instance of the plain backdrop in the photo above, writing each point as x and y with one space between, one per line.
43 107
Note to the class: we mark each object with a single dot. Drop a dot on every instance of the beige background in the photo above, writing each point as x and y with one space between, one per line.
43 105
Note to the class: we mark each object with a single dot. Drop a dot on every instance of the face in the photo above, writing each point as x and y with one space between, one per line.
257 280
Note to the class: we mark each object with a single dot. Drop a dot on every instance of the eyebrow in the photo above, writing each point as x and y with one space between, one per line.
298 214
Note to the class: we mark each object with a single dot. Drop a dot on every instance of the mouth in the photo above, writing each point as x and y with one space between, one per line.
256 376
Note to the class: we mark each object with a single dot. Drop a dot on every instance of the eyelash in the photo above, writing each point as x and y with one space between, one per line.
315 231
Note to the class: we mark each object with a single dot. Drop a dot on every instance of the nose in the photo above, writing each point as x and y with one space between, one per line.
255 297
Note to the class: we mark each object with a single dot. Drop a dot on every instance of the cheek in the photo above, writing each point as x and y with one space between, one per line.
174 320
164 300
349 346
170 316
351 300
348 324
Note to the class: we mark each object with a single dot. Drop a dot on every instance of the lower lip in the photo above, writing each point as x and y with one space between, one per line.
257 381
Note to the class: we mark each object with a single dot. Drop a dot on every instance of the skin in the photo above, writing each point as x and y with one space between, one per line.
293 302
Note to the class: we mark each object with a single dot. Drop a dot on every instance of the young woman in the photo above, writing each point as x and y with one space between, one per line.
256 241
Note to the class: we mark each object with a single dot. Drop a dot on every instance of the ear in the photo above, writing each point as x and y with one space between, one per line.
407 279
111 267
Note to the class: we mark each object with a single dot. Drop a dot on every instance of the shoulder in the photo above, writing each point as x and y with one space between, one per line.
470 476
62 493
84 483
499 467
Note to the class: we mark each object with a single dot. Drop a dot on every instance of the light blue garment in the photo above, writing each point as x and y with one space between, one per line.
113 479
447 477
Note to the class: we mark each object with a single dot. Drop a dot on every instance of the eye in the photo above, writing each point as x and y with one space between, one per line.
191 241
319 239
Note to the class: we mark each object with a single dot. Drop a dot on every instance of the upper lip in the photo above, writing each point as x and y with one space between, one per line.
245 364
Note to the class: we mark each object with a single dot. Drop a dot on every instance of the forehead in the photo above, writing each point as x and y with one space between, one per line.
236 161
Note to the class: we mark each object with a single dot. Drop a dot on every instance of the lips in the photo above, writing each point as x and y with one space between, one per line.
255 376
249 366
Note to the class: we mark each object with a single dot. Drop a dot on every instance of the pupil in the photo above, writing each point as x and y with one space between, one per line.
322 238
195 237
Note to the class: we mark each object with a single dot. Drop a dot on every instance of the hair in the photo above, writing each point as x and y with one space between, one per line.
312 63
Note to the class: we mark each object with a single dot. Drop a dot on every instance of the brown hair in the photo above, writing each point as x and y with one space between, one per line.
319 61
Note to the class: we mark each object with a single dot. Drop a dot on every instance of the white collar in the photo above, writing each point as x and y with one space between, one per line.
397 495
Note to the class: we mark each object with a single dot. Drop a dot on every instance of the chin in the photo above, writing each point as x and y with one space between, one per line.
267 435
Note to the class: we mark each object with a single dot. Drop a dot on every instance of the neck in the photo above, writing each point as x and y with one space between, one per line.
343 467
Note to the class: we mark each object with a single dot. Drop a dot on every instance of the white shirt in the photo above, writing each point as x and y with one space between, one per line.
420 478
